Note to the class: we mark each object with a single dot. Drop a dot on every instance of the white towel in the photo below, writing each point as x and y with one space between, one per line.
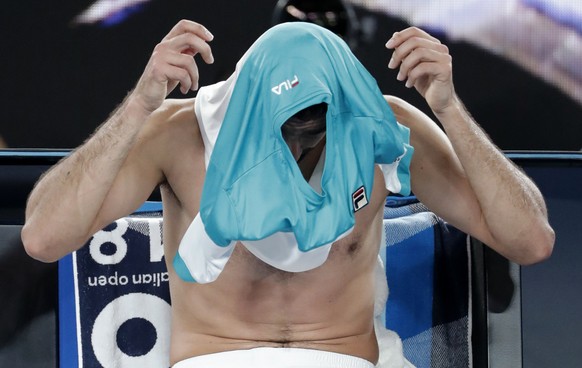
389 343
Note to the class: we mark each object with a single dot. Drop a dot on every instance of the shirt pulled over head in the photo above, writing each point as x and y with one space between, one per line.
254 191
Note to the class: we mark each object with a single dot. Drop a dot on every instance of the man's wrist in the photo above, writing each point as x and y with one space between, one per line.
133 109
455 115
453 110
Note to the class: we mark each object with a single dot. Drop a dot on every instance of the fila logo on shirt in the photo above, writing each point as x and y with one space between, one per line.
359 199
287 85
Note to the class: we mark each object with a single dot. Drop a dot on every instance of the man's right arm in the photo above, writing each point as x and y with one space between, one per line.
116 169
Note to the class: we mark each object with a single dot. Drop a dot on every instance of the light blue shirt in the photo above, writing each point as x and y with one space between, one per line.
254 189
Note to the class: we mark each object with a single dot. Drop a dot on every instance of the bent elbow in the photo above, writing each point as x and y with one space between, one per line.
38 246
540 246
34 246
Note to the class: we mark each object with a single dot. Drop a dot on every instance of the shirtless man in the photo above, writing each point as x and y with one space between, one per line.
152 141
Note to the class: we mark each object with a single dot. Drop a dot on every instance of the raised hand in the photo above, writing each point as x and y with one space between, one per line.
172 63
425 64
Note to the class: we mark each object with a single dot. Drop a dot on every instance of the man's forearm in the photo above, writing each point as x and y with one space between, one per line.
511 204
63 206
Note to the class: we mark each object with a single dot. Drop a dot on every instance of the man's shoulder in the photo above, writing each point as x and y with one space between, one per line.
174 117
170 132
398 105
175 110
409 115
180 150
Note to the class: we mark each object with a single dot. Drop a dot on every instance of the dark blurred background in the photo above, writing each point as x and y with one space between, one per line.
61 80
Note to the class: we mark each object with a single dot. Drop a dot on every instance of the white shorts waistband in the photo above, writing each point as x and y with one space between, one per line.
275 357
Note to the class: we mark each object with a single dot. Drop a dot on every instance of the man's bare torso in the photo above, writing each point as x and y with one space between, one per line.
252 304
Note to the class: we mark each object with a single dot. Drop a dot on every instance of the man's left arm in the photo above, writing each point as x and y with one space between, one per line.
477 188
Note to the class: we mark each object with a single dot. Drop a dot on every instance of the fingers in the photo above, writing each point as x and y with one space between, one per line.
190 44
182 76
188 75
404 49
190 38
417 53
177 51
172 63
187 26
423 62
400 37
418 74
